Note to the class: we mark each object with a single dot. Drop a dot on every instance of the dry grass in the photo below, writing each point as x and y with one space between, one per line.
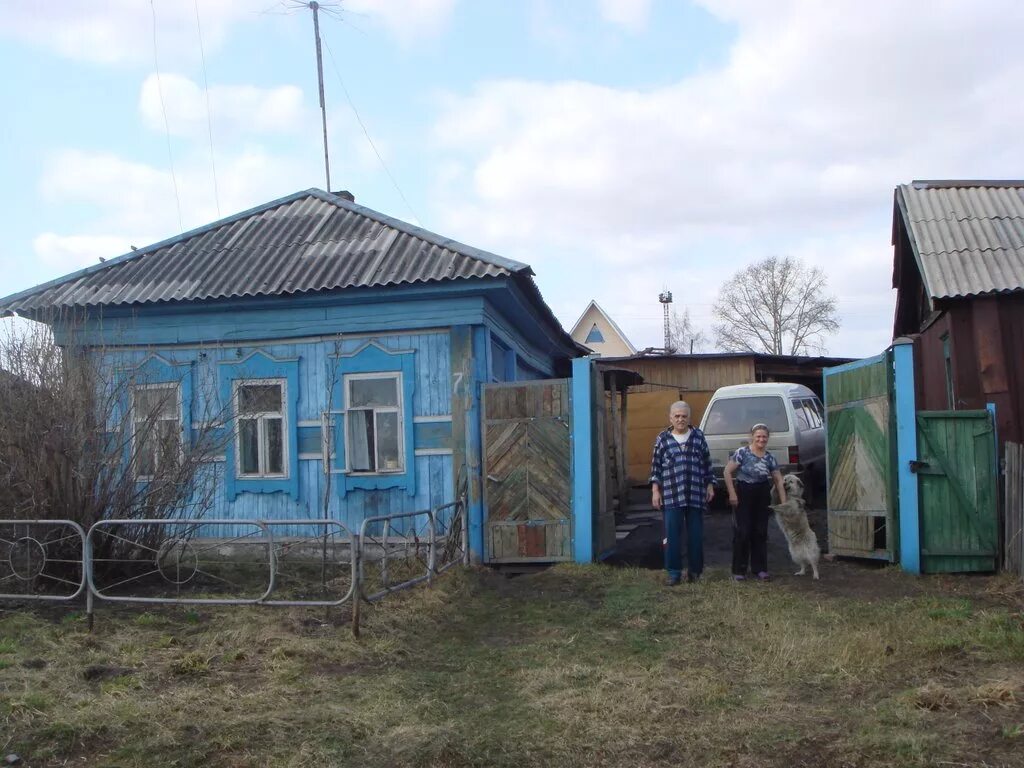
575 666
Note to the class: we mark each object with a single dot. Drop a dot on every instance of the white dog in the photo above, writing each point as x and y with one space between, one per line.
794 488
803 544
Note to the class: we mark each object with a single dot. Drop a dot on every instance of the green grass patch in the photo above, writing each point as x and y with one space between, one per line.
575 666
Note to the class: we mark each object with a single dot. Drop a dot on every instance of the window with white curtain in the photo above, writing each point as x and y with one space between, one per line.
156 427
373 420
261 450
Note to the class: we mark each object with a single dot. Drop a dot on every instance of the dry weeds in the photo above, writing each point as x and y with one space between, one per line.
575 666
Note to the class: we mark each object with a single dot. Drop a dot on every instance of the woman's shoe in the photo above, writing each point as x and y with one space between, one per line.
738 577
764 576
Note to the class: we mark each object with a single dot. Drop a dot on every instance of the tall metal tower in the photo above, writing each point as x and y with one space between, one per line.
665 297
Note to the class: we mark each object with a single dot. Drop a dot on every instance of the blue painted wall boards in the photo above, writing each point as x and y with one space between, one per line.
906 451
582 471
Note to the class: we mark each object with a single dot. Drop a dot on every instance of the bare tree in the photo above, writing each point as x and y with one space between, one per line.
779 306
684 336
83 439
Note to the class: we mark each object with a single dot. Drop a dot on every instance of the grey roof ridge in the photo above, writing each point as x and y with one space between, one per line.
922 184
424 234
471 252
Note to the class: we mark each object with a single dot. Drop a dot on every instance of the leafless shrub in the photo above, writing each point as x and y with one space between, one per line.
84 437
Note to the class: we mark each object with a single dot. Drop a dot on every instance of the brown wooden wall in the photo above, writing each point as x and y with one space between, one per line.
699 374
987 349
647 417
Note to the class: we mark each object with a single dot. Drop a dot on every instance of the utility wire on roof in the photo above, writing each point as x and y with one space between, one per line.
209 115
167 127
366 133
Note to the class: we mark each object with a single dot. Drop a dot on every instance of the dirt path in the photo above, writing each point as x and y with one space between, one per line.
843 577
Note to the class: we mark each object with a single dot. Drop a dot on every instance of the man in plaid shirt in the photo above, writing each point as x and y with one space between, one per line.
681 486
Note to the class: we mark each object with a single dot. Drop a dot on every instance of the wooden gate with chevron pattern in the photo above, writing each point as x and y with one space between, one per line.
861 448
527 428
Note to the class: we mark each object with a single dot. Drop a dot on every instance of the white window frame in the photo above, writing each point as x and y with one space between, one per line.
398 409
262 442
135 448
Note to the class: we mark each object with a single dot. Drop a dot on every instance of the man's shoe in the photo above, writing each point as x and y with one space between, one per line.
672 581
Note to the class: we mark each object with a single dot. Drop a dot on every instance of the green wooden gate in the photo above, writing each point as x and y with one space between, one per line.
528 472
957 478
861 459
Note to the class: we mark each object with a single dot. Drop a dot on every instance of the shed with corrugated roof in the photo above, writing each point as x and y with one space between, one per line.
959 277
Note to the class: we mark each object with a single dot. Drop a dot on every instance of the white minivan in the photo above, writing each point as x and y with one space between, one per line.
795 419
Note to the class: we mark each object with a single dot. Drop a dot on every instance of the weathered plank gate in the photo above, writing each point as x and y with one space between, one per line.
915 486
861 477
527 471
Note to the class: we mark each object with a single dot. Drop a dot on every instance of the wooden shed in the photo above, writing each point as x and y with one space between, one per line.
959 277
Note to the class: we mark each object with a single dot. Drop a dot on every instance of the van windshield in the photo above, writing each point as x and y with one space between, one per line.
736 415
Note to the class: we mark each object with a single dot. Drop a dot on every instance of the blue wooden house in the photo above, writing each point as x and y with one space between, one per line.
345 346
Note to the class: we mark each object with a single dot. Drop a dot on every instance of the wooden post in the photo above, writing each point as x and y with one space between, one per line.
624 456
616 436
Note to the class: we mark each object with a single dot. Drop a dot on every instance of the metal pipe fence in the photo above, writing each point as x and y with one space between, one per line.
42 560
189 561
395 552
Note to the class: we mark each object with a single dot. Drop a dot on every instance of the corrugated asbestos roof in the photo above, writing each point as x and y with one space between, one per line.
308 241
968 236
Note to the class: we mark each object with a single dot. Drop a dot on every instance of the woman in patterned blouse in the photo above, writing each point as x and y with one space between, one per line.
750 495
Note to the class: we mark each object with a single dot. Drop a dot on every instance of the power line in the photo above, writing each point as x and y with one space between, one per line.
209 115
366 133
167 127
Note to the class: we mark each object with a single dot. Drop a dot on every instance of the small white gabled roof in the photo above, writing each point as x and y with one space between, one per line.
614 326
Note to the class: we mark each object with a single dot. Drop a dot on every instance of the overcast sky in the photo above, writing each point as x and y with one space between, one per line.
620 147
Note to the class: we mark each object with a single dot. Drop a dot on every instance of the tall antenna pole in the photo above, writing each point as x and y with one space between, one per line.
665 297
315 7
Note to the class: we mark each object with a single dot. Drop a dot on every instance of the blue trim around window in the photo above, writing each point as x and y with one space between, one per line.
373 358
156 370
260 365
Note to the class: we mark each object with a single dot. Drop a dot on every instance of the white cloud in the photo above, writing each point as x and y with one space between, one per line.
407 20
72 252
794 146
117 31
629 14
233 109
131 197
121 31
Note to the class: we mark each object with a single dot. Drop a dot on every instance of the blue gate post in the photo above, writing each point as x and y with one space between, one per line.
582 461
906 452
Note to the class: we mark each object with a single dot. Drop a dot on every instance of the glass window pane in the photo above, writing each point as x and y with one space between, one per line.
359 441
259 398
812 414
275 446
248 447
801 415
370 393
145 453
737 415
388 455
169 436
156 403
